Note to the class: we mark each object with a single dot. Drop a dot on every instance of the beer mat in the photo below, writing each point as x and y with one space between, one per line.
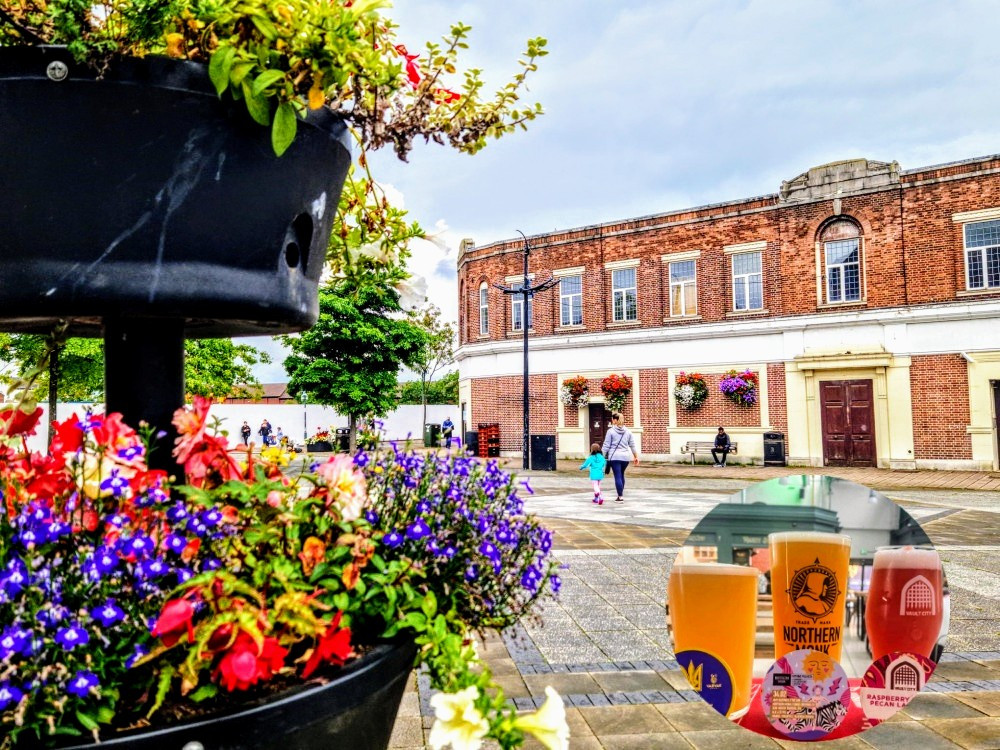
710 677
805 695
756 721
890 682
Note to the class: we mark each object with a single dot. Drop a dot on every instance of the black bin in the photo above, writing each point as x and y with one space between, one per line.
543 452
472 442
432 435
774 449
343 440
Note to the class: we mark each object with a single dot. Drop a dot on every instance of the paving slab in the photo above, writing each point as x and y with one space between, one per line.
971 734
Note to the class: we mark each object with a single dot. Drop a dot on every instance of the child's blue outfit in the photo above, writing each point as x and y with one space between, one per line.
596 462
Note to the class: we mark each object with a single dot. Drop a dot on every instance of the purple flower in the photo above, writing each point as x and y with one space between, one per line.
137 653
15 640
51 616
105 560
423 506
153 568
15 578
115 483
138 545
361 459
183 575
371 517
89 423
177 513
58 529
392 539
527 487
131 452
211 563
417 530
118 520
82 683
555 582
211 517
471 573
175 543
109 614
489 551
449 551
9 695
531 578
71 637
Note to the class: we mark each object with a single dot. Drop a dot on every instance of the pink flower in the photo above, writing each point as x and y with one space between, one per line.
345 485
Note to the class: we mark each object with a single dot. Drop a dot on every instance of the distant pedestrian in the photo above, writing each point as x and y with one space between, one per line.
265 432
447 428
596 461
722 445
619 449
279 437
245 432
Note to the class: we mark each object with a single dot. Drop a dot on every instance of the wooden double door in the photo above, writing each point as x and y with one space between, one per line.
848 417
598 423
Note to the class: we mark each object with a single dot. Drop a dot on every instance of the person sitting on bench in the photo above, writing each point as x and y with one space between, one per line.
722 445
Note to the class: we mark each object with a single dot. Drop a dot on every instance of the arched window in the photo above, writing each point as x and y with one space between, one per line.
842 255
484 309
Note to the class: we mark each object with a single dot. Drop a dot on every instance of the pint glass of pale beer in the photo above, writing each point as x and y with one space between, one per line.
808 583
713 610
904 601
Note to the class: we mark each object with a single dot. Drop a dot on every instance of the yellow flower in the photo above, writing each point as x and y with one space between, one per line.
458 721
275 454
548 723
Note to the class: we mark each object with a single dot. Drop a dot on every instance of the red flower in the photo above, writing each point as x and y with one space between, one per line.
190 423
16 422
174 621
68 436
412 72
333 646
245 663
446 96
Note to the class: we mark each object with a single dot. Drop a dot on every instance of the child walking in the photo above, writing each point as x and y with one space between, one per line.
596 461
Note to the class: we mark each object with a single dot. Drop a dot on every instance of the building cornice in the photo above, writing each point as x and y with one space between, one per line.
939 312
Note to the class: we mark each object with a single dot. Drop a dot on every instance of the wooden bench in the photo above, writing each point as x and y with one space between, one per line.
703 446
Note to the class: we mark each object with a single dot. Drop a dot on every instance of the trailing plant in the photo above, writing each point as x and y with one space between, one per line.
690 390
740 387
575 391
616 389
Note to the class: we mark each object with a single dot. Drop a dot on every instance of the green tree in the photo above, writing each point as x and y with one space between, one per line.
212 367
442 391
437 352
351 358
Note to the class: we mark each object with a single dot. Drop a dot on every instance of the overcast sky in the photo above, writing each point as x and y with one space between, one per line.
656 106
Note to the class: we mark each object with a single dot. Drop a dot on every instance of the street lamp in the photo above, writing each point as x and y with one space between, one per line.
526 292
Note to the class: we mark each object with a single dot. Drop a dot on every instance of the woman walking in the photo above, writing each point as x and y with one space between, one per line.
619 448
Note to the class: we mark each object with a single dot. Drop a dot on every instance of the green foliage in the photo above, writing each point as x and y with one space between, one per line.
351 358
443 391
286 57
212 367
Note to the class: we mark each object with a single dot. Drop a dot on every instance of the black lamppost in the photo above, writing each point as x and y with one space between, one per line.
527 292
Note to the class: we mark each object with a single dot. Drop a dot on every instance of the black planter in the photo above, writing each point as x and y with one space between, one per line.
322 446
357 711
144 195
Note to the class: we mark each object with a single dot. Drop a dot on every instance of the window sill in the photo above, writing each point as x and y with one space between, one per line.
681 318
575 327
977 292
747 313
483 337
624 323
520 332
838 305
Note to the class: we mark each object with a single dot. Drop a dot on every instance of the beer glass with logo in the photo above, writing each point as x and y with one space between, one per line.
713 613
904 601
808 583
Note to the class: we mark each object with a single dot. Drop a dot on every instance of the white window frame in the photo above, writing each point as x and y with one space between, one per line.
624 292
827 265
570 296
682 284
484 309
516 302
981 252
744 279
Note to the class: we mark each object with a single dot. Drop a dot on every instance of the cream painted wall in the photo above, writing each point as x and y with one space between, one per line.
983 367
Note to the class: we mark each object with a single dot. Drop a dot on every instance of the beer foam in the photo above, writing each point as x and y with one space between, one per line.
820 537
907 557
717 569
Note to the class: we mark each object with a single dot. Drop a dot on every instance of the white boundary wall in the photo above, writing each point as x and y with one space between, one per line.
406 420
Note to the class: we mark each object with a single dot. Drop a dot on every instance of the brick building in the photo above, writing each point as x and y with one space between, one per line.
865 297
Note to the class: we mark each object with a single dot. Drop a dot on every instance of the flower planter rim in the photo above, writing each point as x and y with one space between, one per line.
381 654
157 71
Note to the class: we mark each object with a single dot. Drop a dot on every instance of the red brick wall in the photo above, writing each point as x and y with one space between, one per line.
654 391
718 410
777 399
500 400
913 254
940 412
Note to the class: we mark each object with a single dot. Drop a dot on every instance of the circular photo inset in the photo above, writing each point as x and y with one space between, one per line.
807 607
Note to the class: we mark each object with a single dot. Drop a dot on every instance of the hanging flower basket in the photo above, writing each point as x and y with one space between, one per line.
616 389
691 390
575 392
740 387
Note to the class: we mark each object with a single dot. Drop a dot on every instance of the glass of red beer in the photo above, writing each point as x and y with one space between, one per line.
904 601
